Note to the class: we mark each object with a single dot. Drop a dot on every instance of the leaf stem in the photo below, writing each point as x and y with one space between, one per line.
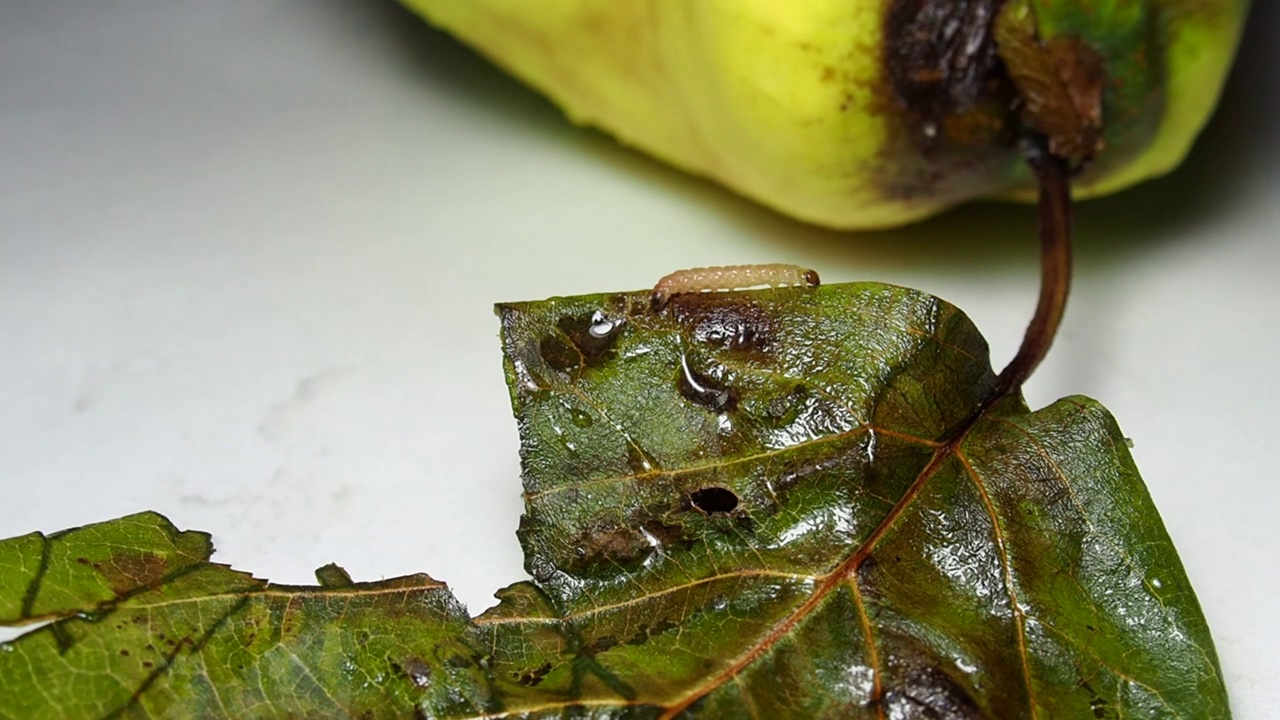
1054 177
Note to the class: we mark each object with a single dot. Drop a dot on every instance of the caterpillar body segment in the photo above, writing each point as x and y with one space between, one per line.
730 277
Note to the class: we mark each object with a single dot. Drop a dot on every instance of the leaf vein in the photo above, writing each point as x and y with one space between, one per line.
1019 615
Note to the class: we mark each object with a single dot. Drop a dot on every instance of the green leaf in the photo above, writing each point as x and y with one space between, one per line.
781 504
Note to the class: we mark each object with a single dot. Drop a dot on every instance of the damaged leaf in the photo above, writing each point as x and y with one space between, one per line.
778 504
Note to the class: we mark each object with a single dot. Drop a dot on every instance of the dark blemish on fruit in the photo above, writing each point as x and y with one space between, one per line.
941 57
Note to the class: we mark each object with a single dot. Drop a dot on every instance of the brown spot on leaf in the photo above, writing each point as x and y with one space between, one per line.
608 546
703 389
128 571
731 322
599 645
418 671
669 537
1102 710
928 693
558 353
866 576
611 545
531 678
793 472
458 660
585 341
648 631
785 408
637 461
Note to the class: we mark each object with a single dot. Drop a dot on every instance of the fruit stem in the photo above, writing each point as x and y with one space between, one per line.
1054 177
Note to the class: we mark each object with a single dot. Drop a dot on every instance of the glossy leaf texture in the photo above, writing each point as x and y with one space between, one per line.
773 504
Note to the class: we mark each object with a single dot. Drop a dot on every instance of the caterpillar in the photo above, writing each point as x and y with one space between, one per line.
729 277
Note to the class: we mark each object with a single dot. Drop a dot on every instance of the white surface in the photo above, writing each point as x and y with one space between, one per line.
248 254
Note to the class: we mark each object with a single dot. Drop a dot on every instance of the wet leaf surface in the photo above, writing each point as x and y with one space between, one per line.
758 505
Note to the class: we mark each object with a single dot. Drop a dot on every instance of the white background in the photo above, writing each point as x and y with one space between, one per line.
249 250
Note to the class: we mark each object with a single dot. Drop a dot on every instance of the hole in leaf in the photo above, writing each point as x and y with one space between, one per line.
714 500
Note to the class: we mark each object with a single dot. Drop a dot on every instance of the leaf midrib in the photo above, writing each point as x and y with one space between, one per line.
843 572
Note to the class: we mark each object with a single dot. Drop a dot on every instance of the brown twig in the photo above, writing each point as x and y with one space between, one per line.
1054 177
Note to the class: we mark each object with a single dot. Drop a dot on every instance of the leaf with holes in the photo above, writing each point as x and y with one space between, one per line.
779 504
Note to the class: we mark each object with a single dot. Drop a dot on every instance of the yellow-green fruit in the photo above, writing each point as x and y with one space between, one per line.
867 113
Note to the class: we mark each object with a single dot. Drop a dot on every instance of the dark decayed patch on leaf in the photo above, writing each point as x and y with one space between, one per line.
843 540
86 569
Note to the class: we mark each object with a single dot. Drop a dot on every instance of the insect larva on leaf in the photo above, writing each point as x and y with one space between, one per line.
730 277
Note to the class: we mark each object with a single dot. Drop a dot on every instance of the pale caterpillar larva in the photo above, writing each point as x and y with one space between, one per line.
730 277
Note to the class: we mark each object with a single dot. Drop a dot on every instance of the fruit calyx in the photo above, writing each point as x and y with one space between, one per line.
975 72
1059 84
